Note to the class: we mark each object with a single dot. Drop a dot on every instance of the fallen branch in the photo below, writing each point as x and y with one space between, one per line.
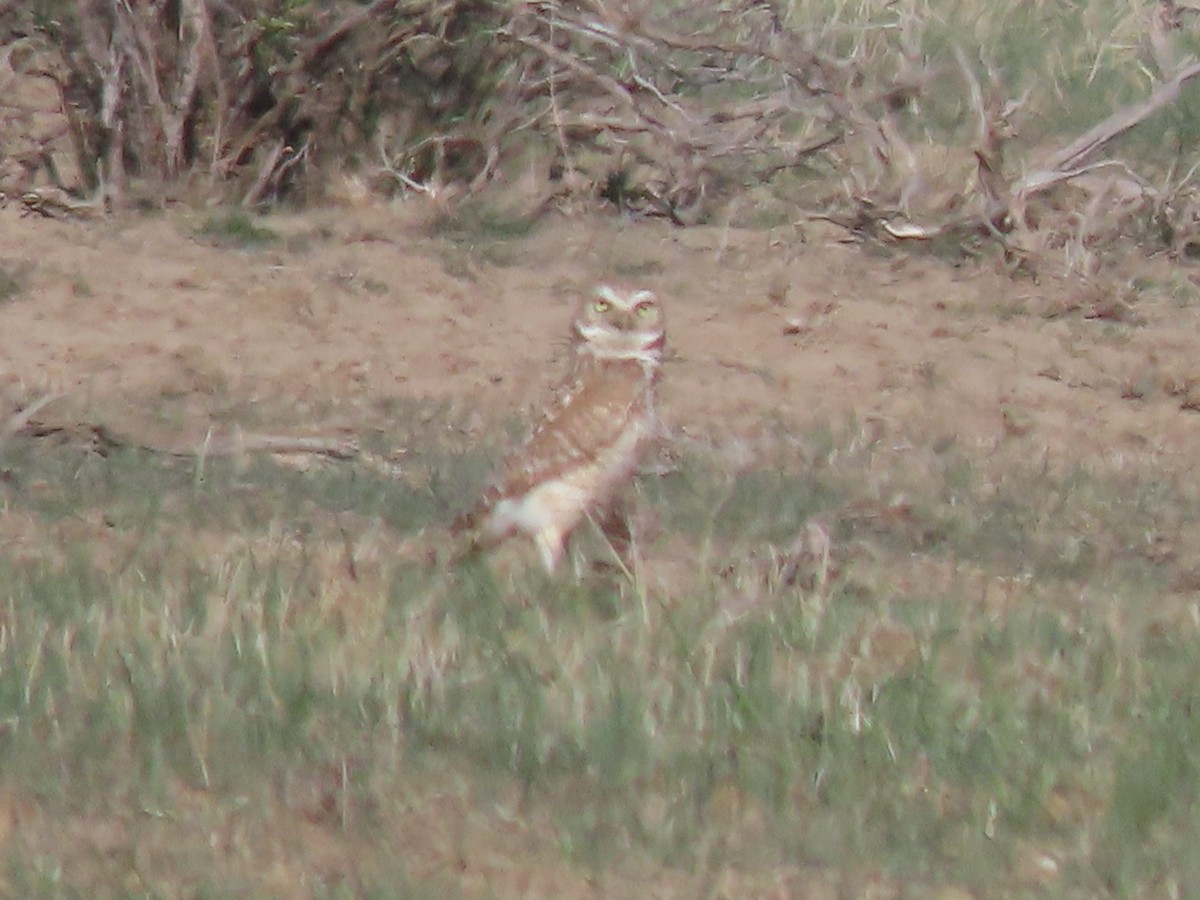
239 443
1063 165
20 419
1114 126
104 439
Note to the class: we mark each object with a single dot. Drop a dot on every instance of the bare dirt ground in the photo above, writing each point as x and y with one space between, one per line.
353 310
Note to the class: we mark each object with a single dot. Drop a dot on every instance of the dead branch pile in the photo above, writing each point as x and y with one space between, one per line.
252 99
672 110
258 99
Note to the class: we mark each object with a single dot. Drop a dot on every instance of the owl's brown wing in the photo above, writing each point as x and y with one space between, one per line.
588 420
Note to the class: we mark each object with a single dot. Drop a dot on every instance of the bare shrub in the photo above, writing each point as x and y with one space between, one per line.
254 100
873 118
260 99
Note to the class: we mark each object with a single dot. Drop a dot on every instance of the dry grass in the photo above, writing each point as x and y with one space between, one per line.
885 669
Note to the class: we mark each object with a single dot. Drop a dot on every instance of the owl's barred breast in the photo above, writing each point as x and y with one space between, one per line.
605 419
591 436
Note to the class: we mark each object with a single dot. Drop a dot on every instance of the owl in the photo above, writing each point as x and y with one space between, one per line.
588 443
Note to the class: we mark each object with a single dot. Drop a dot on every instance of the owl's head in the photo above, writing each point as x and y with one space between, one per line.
616 324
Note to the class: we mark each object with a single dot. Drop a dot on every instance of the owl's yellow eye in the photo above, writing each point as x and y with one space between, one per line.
601 306
644 310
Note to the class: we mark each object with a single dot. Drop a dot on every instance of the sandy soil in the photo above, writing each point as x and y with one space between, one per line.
357 309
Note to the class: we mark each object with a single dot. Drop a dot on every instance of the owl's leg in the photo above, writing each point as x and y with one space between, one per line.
615 523
551 543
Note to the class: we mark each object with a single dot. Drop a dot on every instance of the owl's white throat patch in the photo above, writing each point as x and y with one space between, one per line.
604 342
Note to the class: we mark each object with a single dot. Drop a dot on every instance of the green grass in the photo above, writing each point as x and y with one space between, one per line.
481 231
200 687
238 230
486 223
12 283
1090 61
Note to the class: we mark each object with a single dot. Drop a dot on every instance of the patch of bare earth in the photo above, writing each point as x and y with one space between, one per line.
352 311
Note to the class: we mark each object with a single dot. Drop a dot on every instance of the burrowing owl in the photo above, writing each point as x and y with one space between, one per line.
588 443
